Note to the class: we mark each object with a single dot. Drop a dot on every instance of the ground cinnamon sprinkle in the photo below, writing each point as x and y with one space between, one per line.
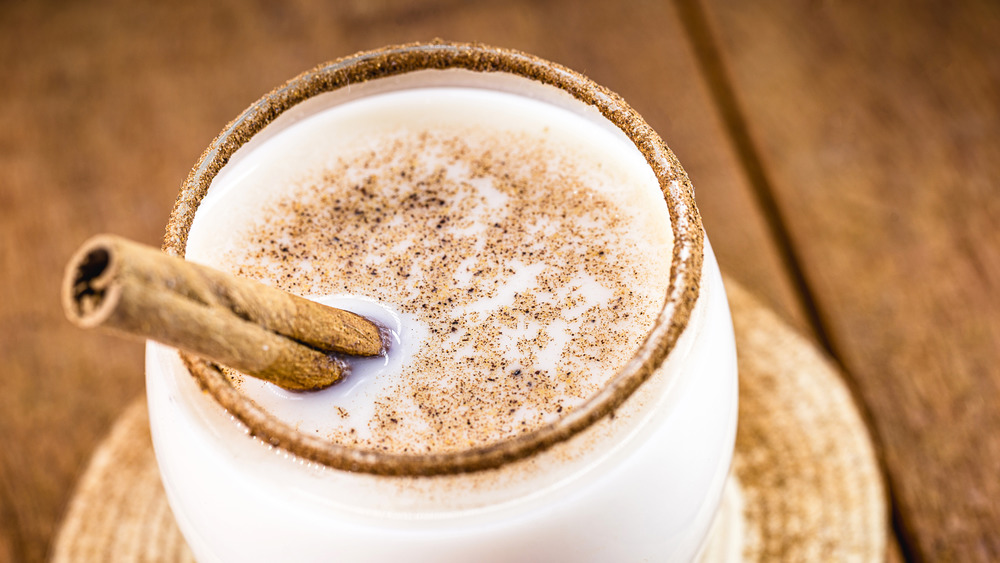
487 240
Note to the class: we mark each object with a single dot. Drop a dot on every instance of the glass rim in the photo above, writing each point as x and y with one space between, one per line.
682 291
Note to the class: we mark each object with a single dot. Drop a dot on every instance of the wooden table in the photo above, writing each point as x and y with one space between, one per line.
847 161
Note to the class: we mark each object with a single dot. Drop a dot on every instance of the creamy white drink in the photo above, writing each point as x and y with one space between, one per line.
519 249
489 228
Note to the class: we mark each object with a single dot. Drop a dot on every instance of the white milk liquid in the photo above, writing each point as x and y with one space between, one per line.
518 253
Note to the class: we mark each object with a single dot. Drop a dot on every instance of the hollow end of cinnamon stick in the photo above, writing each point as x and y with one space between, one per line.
130 288
88 294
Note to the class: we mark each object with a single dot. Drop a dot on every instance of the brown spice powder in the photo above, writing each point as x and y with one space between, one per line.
486 239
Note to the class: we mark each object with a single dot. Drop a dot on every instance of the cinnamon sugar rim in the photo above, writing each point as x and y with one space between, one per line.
682 292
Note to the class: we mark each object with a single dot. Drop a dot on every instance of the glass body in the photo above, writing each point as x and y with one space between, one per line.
643 484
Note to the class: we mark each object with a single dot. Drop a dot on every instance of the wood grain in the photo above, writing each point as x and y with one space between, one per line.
877 129
106 105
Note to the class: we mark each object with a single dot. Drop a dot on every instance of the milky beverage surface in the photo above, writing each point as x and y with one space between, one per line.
518 252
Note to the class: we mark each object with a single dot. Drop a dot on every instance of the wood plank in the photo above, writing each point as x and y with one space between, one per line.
877 129
106 105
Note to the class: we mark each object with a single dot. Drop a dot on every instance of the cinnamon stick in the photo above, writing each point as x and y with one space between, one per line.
291 341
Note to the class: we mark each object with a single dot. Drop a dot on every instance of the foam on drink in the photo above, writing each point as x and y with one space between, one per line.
518 252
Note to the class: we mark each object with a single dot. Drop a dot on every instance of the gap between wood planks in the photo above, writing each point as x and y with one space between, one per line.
709 61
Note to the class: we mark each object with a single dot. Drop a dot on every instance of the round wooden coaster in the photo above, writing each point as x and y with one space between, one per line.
119 511
805 486
809 483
